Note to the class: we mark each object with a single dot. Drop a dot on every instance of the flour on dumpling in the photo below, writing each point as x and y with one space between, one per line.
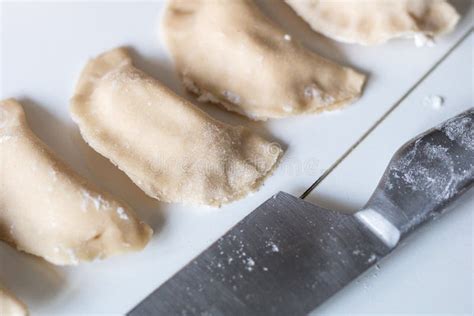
171 149
376 21
49 211
229 53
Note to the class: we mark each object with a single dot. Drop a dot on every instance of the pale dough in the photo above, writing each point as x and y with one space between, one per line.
171 149
370 22
49 211
10 305
228 52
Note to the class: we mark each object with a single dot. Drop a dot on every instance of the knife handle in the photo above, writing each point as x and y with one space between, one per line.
424 176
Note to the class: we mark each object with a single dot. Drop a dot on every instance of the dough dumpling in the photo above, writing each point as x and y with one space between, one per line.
228 52
171 149
49 211
10 305
376 21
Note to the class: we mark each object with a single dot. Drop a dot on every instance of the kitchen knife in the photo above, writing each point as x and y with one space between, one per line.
288 256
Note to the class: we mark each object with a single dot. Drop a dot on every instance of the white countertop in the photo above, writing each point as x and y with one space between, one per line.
43 47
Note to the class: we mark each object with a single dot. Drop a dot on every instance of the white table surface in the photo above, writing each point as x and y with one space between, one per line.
43 47
433 271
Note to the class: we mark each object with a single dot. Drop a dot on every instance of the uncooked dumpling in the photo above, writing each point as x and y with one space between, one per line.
171 149
10 305
376 21
49 211
228 52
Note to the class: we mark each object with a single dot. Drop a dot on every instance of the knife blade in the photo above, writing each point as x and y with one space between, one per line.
288 256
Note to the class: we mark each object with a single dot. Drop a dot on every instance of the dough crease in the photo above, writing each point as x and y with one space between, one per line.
48 210
167 146
377 21
228 52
